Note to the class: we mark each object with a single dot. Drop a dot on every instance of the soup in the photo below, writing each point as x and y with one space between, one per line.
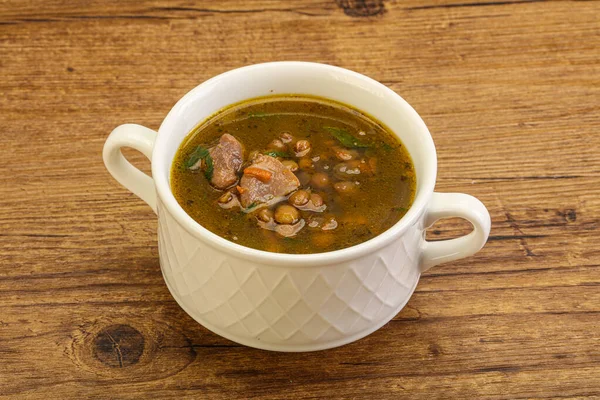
293 174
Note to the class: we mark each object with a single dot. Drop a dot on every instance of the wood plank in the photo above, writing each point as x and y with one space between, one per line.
509 91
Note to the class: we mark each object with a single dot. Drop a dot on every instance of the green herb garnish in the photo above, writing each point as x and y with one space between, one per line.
345 138
251 207
400 209
274 153
201 153
387 147
208 172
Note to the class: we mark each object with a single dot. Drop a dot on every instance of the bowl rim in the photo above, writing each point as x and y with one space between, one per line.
423 195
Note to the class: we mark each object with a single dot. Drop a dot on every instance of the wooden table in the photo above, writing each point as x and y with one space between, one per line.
510 91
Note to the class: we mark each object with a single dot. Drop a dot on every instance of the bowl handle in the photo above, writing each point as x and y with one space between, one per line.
447 205
141 139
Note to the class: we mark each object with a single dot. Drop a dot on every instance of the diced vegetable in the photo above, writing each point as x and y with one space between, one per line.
261 174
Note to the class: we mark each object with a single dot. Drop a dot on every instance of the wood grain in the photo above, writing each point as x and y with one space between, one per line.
509 90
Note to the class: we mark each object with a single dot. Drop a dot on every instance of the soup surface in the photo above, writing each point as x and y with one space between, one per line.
293 174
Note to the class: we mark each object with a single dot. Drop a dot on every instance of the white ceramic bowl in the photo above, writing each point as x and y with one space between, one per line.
293 302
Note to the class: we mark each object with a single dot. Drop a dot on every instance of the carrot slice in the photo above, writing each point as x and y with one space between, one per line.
240 189
258 173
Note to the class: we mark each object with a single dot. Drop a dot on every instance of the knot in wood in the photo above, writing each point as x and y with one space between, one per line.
361 8
119 346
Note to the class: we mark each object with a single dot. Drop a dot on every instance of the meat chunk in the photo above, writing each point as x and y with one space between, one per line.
227 158
255 189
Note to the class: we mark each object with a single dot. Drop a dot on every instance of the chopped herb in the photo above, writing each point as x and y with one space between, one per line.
274 153
345 138
387 147
400 209
201 153
208 172
250 207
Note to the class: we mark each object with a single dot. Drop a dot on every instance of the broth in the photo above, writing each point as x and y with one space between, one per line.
293 174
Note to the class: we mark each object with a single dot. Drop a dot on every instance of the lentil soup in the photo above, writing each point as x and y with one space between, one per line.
293 174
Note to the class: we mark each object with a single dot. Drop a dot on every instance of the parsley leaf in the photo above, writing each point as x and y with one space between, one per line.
201 153
274 153
345 138
208 172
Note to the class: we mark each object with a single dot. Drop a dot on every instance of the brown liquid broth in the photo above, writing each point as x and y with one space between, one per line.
382 199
